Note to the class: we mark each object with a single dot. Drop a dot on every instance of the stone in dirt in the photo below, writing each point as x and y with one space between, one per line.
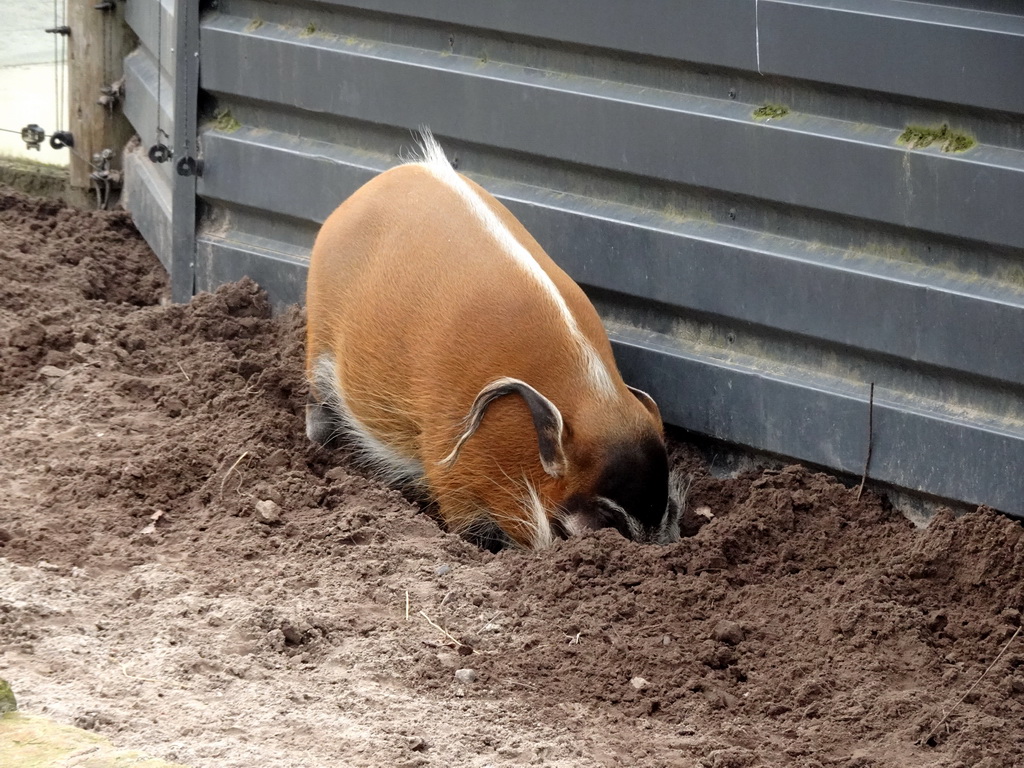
268 512
728 632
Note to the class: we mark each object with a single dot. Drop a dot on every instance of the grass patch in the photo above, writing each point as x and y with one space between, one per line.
921 136
36 742
34 177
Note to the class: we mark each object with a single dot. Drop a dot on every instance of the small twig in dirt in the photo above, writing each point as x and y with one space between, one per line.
187 377
443 631
124 671
574 639
871 429
482 626
230 470
251 383
151 528
407 605
959 701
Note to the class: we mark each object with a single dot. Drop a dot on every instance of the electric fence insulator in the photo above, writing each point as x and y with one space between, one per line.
33 136
159 153
61 139
189 166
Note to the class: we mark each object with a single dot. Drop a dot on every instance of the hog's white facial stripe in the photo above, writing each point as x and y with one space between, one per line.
434 160
543 536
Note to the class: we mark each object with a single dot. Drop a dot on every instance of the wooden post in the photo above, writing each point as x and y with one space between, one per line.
97 45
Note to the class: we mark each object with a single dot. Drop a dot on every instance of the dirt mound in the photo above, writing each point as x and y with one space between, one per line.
181 570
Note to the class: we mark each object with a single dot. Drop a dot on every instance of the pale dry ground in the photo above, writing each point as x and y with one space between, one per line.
155 661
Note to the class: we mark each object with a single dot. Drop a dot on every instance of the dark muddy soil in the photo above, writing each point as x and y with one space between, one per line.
181 570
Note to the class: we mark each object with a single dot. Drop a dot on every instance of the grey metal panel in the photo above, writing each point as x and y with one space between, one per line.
911 449
220 260
922 315
140 95
832 294
683 139
148 188
719 32
153 22
147 196
950 54
753 334
947 54
161 83
320 176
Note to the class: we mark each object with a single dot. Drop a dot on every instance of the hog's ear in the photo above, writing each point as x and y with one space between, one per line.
547 420
646 401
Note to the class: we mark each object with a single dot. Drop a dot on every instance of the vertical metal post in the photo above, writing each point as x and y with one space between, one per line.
183 198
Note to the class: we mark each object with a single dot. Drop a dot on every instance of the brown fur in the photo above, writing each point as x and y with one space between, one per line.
421 309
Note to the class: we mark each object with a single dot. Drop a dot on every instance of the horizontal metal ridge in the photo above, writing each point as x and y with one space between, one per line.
814 162
946 54
839 296
147 194
949 54
796 413
154 24
236 160
140 76
232 256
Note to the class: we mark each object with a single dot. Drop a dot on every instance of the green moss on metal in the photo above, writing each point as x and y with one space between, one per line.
253 25
225 121
1014 276
770 112
309 31
921 136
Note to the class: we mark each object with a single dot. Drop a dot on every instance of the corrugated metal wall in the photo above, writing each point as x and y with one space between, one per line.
731 181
